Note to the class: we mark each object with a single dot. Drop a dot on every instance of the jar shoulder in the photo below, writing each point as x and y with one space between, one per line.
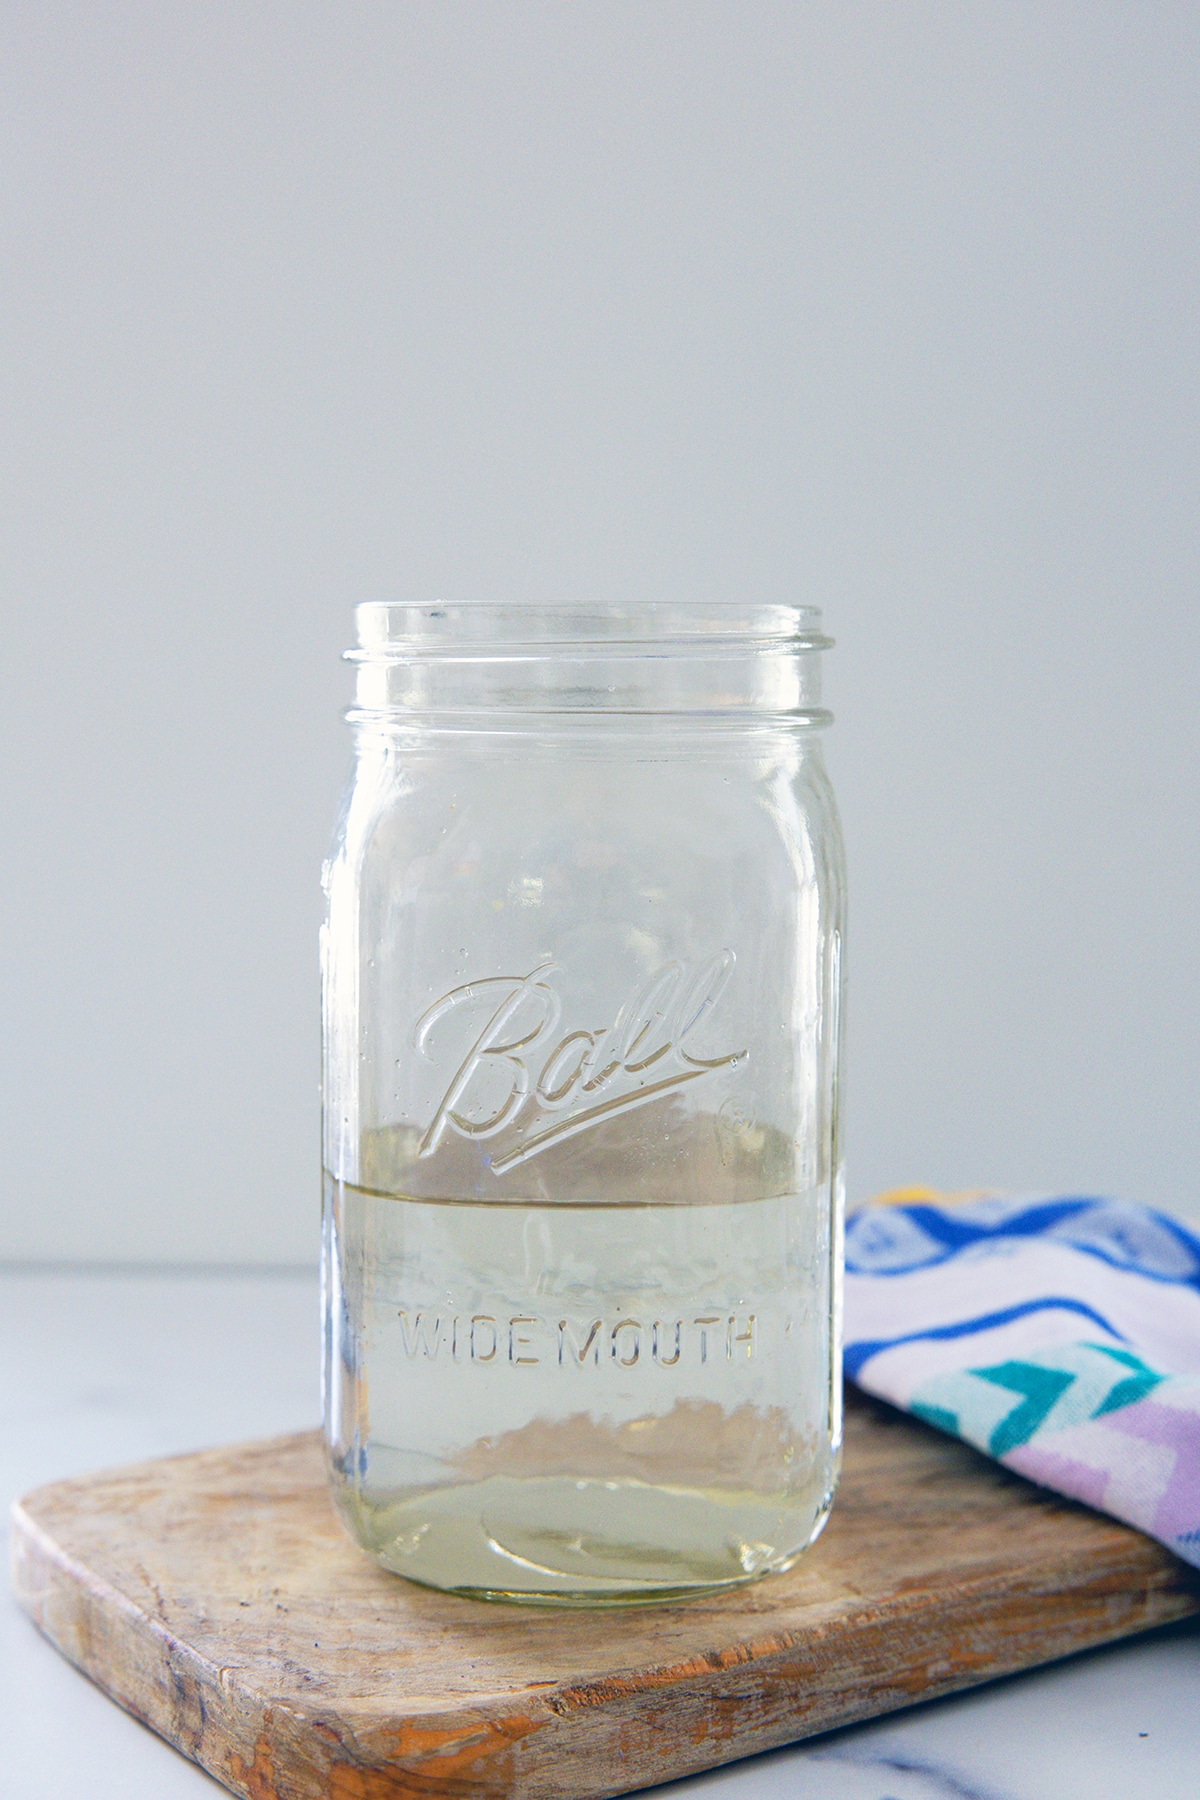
762 812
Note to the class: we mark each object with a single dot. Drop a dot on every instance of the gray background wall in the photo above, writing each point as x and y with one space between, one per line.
890 307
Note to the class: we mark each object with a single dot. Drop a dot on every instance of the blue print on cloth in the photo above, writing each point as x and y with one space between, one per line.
893 1240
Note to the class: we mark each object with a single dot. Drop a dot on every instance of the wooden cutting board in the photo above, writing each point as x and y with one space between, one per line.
217 1599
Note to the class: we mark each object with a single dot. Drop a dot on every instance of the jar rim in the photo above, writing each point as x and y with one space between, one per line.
401 629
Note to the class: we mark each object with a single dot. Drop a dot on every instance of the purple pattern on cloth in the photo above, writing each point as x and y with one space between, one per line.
1078 1480
1178 1431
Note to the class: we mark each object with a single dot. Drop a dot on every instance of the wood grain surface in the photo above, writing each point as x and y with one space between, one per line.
217 1599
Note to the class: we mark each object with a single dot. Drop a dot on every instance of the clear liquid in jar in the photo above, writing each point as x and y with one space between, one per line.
581 1402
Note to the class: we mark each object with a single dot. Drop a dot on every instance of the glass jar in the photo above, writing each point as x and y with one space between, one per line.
582 1003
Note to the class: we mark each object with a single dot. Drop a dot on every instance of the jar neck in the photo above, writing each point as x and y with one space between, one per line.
709 661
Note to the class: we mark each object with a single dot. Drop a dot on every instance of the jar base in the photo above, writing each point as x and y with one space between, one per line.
556 1541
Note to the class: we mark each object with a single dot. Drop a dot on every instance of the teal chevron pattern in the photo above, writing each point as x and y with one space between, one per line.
1039 1389
1001 1407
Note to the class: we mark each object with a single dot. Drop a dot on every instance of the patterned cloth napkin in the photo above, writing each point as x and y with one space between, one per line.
1060 1335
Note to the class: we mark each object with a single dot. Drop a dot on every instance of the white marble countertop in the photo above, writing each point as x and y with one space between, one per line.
99 1369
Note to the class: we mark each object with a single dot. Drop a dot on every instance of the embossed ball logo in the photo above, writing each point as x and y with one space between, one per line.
514 1071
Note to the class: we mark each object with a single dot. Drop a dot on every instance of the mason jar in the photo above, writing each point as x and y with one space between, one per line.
582 1014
